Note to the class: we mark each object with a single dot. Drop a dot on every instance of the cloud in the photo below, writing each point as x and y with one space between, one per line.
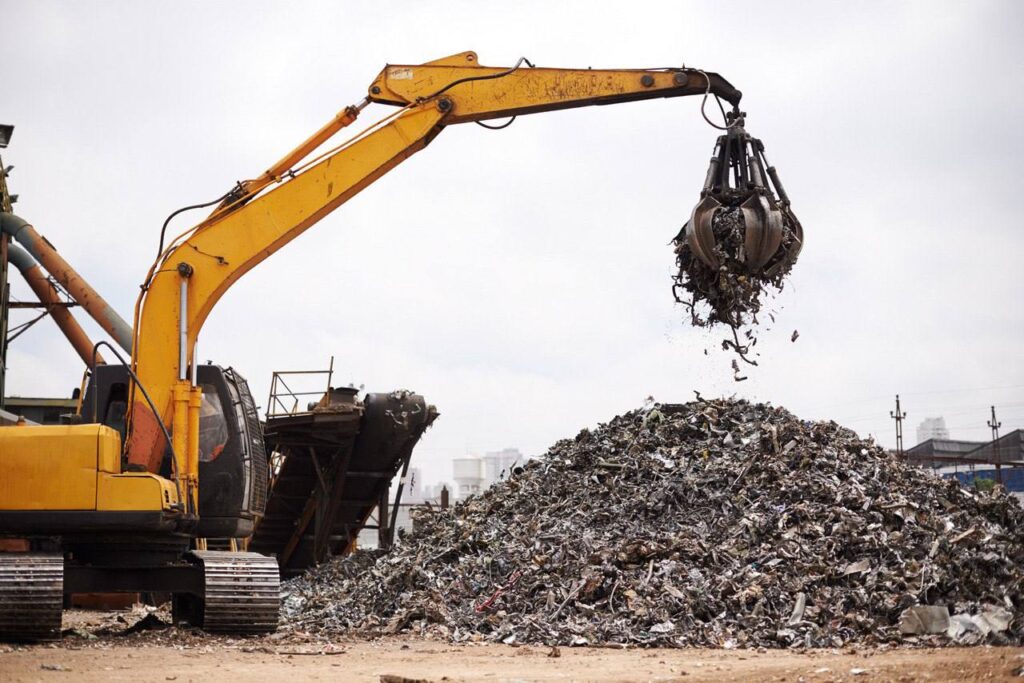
520 279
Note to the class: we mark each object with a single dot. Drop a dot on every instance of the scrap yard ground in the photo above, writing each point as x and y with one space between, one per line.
406 659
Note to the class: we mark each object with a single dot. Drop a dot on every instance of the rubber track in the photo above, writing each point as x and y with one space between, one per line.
242 594
31 596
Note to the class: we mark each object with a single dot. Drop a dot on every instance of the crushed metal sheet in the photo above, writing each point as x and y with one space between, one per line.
921 619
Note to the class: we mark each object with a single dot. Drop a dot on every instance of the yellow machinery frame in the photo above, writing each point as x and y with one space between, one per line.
262 215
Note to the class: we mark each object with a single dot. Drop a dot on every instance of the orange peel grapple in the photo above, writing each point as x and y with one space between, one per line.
739 176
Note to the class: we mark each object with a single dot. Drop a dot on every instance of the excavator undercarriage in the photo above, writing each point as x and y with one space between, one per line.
225 592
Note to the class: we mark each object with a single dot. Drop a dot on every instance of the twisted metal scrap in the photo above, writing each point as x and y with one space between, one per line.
714 523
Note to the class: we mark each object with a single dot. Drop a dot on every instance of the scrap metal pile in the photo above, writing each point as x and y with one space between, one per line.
714 523
741 241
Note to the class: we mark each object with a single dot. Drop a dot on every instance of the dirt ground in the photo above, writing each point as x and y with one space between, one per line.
409 660
172 655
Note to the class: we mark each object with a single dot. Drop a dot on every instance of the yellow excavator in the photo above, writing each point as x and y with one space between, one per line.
113 514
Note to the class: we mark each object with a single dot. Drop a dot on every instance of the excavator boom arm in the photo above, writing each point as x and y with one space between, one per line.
266 213
480 93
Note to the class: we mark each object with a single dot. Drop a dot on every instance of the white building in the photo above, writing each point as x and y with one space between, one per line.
474 473
498 464
932 428
468 475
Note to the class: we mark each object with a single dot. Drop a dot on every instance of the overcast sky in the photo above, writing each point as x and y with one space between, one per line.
520 279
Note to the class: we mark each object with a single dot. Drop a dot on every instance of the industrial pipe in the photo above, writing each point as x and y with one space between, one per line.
47 294
87 297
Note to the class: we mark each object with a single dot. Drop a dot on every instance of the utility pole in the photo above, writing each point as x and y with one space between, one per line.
994 426
899 417
6 199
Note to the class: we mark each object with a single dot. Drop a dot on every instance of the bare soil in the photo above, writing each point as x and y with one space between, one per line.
172 655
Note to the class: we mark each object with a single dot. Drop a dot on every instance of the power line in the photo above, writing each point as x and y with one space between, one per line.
964 411
924 393
953 391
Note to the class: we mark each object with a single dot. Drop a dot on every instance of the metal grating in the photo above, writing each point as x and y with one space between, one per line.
254 450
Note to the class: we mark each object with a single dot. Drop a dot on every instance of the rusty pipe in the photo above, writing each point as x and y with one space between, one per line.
87 297
49 297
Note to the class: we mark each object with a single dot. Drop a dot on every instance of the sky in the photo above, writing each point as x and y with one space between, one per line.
521 279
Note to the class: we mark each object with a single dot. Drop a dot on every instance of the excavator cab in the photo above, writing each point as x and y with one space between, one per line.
98 524
232 454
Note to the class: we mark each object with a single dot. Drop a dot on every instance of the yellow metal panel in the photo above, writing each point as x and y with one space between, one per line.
134 491
457 59
108 451
53 467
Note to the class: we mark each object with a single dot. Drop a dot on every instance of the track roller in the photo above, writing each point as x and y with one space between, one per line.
242 593
31 596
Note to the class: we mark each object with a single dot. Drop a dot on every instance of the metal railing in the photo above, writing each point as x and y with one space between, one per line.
284 400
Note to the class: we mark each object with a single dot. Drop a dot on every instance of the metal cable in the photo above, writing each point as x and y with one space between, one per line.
163 230
504 125
145 394
703 102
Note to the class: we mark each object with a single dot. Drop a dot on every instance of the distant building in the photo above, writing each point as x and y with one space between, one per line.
969 461
45 411
941 452
497 465
432 493
474 473
468 475
932 428
1007 451
417 493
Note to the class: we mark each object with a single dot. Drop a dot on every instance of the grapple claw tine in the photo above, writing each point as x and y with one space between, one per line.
774 237
798 236
698 231
793 249
762 231
742 183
